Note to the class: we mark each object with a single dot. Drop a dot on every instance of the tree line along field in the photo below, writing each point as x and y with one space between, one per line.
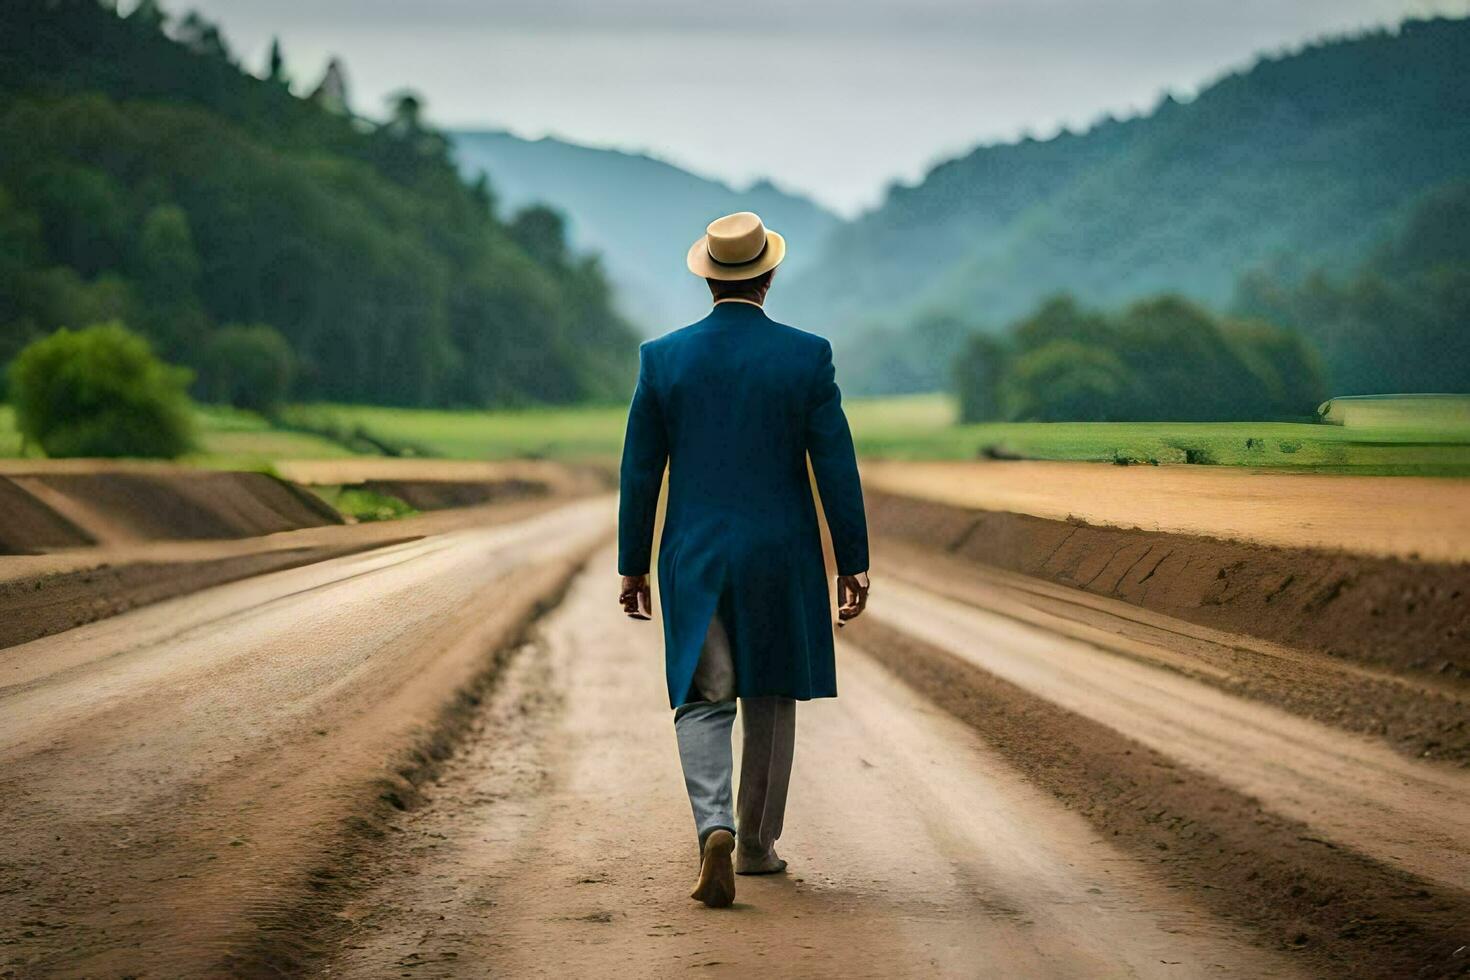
918 427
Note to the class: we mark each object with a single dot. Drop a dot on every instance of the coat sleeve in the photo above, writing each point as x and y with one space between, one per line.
829 443
645 451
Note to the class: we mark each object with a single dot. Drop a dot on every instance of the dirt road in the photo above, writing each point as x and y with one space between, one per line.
561 846
274 777
174 777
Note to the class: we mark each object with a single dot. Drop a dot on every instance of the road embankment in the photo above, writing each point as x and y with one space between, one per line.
1399 615
82 540
1202 702
47 508
185 781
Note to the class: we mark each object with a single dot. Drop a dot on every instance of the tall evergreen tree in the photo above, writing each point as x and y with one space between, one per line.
276 69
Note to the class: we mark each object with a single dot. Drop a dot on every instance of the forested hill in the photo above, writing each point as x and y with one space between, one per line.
145 177
640 213
1303 161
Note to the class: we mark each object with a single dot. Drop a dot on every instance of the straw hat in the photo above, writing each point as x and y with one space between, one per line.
737 246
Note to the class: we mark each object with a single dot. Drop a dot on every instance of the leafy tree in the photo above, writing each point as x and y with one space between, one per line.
1286 366
1065 381
1161 359
85 215
1397 322
100 392
168 264
1060 317
542 233
155 182
249 367
148 14
978 372
202 37
276 64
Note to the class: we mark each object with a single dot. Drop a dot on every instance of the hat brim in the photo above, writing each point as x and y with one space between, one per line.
702 265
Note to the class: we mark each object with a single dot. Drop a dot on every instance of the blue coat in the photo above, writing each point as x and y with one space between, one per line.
734 404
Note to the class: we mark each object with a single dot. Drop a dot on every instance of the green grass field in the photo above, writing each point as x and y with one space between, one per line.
228 439
553 433
911 427
922 427
9 437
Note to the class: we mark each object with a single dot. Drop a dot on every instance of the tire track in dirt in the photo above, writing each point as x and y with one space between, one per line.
559 843
1333 907
1403 813
183 781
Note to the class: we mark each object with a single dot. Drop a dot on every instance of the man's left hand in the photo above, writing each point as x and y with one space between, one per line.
852 596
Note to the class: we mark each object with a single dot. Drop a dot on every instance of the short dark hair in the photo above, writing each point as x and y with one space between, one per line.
741 288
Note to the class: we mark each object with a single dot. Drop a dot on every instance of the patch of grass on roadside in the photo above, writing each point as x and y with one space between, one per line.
574 432
230 439
9 434
921 427
365 505
915 427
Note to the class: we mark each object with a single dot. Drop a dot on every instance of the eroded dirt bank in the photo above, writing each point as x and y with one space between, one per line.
41 595
1388 516
179 780
49 509
1421 717
1409 617
90 539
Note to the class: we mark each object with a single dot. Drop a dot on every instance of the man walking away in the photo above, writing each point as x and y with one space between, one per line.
735 405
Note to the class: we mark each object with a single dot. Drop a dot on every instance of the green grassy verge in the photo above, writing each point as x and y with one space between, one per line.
922 427
235 440
365 505
911 427
9 436
578 432
228 440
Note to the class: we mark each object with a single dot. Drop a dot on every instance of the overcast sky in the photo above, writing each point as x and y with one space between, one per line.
834 99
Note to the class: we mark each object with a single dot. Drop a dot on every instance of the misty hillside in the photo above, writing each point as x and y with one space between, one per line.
146 177
640 213
1301 162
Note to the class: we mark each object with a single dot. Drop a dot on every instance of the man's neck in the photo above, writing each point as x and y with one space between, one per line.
737 299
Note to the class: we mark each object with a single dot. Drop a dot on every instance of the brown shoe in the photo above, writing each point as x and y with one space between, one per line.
716 885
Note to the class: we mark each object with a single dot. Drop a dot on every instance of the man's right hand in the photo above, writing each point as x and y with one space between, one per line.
637 597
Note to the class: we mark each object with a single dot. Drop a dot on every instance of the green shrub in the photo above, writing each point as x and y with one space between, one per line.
1159 359
978 369
100 392
369 505
1065 380
248 367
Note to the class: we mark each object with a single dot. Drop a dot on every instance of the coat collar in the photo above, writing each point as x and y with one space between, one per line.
737 312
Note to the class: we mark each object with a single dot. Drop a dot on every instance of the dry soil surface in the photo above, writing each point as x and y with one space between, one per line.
1393 516
177 778
258 779
560 844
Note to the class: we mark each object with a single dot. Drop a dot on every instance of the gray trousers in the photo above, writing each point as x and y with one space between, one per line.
768 725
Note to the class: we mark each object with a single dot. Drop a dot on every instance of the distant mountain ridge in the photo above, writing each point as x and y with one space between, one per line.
1301 161
639 212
